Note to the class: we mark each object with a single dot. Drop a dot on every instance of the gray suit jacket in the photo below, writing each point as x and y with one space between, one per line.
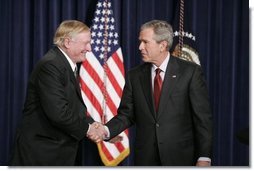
181 131
54 115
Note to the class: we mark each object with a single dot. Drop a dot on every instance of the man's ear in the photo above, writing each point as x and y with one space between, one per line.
163 45
66 43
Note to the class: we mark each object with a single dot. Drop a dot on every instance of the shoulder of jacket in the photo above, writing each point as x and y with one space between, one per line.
184 63
52 59
139 68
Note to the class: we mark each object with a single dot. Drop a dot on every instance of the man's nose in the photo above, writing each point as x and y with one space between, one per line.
141 46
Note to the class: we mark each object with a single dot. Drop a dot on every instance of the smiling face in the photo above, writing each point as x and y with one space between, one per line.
78 46
151 50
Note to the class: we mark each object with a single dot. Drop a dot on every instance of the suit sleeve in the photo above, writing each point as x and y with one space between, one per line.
61 105
202 116
125 113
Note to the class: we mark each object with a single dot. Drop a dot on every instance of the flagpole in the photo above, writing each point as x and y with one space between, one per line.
103 78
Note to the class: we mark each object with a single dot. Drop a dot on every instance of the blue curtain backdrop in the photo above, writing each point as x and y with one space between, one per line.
222 36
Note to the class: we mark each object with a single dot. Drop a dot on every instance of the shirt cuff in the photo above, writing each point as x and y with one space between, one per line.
204 159
108 133
88 128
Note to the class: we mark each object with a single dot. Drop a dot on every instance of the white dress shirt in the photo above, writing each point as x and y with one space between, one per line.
162 67
72 64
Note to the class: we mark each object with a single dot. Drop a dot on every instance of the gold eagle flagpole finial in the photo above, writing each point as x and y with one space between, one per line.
183 50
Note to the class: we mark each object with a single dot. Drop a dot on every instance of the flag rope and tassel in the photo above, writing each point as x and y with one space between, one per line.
181 26
105 66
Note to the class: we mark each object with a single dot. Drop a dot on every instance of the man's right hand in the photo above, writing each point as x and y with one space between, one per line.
96 132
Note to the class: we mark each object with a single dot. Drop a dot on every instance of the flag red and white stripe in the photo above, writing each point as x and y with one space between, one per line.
102 79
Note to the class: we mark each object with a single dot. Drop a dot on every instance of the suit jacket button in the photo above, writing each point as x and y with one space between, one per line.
157 125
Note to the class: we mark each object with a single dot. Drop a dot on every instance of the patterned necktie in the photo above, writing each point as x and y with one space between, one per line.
76 74
157 88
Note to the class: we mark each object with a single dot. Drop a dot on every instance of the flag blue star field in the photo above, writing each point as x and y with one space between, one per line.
102 79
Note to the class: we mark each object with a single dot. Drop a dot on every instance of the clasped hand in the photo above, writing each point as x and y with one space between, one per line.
97 132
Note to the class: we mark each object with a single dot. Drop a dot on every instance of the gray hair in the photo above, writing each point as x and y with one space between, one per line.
162 31
69 29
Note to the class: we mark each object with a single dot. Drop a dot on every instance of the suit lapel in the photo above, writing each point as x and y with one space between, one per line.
76 84
145 81
171 76
72 77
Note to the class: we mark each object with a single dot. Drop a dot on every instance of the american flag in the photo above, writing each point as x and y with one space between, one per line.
102 79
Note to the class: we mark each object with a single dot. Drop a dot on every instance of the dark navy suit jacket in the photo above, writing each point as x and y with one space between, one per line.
181 131
54 116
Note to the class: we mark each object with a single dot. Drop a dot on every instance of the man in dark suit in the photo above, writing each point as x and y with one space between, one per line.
170 106
54 119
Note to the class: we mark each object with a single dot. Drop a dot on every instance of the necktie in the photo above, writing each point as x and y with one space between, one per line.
76 74
157 88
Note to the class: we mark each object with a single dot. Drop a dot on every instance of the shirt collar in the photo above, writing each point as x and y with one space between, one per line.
163 66
73 65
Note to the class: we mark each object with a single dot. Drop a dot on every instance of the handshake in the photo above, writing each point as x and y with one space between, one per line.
98 132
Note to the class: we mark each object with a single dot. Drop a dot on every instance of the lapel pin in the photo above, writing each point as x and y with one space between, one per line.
174 76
